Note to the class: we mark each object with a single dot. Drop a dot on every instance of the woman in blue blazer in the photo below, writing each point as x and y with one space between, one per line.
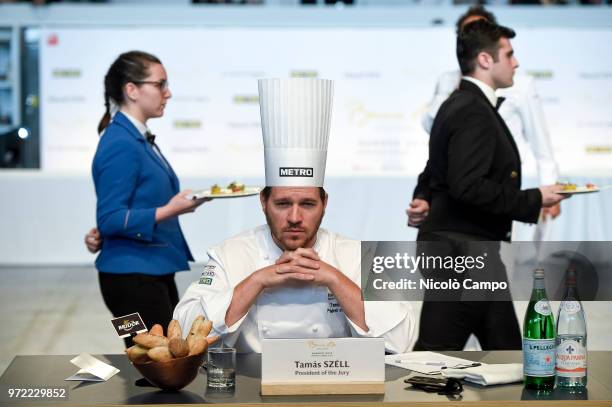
138 198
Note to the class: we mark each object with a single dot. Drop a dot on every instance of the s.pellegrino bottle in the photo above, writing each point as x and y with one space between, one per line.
539 338
571 365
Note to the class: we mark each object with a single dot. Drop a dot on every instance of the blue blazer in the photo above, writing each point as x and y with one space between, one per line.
131 182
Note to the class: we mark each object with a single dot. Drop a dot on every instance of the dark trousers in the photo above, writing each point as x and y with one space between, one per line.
447 324
154 297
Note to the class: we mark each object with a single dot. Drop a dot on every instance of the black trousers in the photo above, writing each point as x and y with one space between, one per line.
447 325
154 297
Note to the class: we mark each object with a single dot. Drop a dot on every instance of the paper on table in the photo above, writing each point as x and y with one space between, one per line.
489 374
425 362
92 369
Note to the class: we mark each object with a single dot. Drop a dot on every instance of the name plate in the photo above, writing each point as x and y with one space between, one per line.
323 366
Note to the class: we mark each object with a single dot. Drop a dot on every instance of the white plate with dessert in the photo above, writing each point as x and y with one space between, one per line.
572 189
233 190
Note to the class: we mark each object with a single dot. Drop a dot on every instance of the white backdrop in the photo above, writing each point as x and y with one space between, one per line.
384 78
211 131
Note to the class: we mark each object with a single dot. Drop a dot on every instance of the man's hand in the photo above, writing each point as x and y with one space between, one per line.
550 197
551 212
419 208
292 269
93 241
308 263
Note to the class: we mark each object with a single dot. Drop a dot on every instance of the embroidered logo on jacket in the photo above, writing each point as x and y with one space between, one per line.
208 274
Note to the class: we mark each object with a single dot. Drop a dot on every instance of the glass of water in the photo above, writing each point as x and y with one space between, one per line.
221 368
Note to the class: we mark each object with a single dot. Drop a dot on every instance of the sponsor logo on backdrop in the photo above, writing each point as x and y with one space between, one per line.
187 124
362 75
304 74
595 75
66 99
544 74
52 40
66 73
244 125
246 99
360 116
598 149
190 99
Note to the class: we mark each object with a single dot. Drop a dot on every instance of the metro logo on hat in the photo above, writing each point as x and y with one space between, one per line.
295 121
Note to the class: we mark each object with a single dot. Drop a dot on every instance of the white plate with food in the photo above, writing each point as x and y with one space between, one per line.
233 190
572 189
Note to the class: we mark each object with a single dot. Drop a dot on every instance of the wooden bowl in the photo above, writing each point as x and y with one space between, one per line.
173 374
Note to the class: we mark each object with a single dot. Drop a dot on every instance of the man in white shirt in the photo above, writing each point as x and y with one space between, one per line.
290 278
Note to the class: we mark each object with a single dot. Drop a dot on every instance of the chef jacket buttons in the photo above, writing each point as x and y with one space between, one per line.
513 174
315 329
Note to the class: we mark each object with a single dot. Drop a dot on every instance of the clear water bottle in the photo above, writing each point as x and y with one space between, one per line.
539 338
571 359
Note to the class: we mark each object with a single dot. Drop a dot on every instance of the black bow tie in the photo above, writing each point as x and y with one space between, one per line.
150 137
500 100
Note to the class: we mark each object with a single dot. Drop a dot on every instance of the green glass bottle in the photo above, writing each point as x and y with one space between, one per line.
539 338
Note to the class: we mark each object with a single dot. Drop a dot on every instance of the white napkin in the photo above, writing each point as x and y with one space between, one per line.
92 369
487 375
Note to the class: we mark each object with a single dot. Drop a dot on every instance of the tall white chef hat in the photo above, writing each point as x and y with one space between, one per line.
295 120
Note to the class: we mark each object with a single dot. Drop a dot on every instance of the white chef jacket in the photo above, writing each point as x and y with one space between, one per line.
522 113
306 312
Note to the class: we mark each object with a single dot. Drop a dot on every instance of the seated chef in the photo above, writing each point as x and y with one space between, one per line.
289 278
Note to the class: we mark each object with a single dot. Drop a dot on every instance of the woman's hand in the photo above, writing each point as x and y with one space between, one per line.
178 205
93 241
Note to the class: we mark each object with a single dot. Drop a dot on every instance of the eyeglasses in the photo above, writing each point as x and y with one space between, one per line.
161 84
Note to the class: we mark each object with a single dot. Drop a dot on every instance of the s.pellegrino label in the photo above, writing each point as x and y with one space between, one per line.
539 338
539 357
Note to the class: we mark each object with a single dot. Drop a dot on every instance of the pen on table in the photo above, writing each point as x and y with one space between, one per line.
419 363
466 366
441 365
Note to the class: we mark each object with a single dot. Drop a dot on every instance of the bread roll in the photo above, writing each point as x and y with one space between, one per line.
137 354
157 329
178 347
160 354
150 341
200 326
197 344
174 329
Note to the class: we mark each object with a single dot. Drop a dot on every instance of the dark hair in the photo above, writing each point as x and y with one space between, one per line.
268 190
477 37
474 11
132 66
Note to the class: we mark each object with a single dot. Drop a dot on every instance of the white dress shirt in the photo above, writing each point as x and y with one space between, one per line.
143 130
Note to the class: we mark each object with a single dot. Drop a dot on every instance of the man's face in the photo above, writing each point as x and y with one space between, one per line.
294 215
502 70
